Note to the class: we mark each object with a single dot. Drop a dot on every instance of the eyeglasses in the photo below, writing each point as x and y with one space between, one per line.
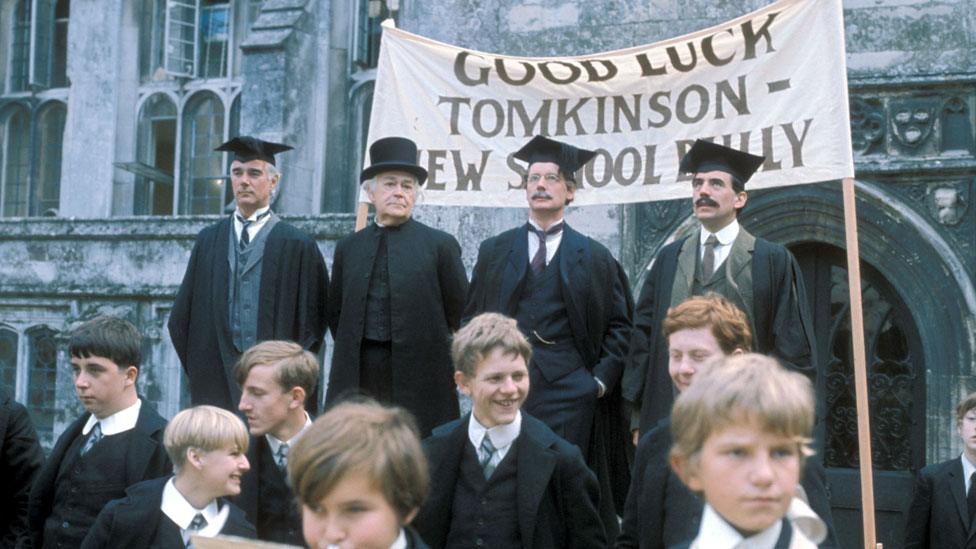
549 177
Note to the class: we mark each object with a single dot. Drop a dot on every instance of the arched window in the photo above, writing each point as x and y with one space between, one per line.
15 151
20 46
51 133
8 359
157 156
204 179
42 367
59 59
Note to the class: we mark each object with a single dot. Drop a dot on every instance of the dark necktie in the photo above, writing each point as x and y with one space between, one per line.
198 523
487 452
245 223
93 437
538 262
708 260
971 497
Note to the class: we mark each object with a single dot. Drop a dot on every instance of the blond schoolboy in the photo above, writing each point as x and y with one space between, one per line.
360 475
207 446
278 382
741 433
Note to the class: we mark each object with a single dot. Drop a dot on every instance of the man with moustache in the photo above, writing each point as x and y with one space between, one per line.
759 277
396 297
572 301
251 277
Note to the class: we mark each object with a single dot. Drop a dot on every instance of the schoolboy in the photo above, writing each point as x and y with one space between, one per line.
277 379
741 432
360 475
660 510
941 512
207 446
118 442
500 477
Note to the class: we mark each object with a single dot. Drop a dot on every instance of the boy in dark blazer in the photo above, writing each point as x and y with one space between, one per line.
207 446
118 443
277 378
499 477
945 496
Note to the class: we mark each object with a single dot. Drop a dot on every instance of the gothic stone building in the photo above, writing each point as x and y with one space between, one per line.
110 109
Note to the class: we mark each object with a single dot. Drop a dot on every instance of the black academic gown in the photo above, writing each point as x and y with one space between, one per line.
599 305
938 516
427 289
137 520
783 326
145 459
294 286
21 458
557 494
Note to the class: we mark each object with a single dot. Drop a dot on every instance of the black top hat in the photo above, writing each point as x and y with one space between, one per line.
390 154
542 149
705 156
247 148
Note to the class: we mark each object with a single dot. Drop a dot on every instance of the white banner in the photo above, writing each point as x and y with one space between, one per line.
772 83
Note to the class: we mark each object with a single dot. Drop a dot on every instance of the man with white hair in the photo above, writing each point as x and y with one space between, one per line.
251 277
397 295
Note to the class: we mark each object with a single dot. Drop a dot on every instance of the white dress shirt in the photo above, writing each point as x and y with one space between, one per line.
715 533
119 422
726 236
502 436
255 227
180 511
552 241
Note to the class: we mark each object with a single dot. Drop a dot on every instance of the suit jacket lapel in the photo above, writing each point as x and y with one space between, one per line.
574 281
740 257
445 462
685 275
514 271
957 485
535 464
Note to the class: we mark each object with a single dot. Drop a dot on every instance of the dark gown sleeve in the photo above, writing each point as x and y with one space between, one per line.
453 282
179 316
22 459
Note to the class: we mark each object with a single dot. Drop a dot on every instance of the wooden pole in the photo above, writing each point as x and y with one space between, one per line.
860 367
361 210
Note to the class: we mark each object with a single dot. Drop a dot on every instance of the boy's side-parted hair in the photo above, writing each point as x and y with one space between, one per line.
364 437
967 403
742 388
485 333
728 323
294 366
204 427
108 337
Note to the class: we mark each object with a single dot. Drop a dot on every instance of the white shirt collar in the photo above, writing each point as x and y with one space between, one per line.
502 436
253 216
715 533
275 443
726 235
539 227
401 541
967 469
119 422
180 511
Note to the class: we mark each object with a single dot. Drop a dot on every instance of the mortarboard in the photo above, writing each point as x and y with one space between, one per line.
393 154
247 148
542 149
705 156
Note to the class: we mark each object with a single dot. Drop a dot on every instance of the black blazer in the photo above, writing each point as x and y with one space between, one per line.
134 521
21 458
294 285
146 458
557 495
250 483
938 516
428 285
